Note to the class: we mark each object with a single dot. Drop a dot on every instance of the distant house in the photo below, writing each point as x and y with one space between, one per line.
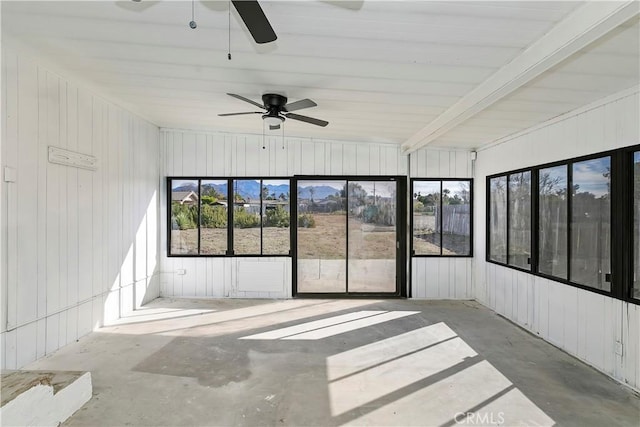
184 197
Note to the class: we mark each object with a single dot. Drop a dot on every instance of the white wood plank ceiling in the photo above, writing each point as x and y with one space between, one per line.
379 71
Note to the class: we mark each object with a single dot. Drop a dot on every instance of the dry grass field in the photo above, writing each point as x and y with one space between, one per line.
326 240
246 241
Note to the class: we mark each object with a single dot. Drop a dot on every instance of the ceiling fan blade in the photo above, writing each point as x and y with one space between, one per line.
299 105
240 114
255 20
242 98
306 119
271 127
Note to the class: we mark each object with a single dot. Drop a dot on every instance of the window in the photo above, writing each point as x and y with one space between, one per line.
553 225
441 216
636 225
246 216
509 239
519 246
590 228
213 217
498 219
275 225
556 221
203 209
184 217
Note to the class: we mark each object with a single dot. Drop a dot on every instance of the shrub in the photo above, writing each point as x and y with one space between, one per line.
244 219
208 200
306 220
184 216
213 216
184 220
277 217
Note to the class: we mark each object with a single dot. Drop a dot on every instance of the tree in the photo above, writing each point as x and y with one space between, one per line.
431 199
357 194
208 190
465 191
547 184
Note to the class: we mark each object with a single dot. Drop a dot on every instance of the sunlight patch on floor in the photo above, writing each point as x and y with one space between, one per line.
431 368
331 326
371 355
195 318
309 326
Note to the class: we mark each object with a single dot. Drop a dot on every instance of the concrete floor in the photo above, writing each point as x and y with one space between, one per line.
323 363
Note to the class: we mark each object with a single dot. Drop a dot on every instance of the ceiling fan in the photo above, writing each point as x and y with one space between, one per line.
277 109
253 17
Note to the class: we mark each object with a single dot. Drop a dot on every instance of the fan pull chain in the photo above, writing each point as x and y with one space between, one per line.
193 24
263 126
282 127
229 28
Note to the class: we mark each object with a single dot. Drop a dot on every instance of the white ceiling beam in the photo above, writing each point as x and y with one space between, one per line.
582 27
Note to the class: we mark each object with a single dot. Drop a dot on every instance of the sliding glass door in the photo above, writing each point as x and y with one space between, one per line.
372 236
347 239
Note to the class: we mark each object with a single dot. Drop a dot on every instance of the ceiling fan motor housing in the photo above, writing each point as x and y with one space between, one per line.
274 104
273 101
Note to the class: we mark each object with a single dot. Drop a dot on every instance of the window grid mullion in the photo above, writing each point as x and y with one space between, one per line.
199 213
535 219
441 216
569 215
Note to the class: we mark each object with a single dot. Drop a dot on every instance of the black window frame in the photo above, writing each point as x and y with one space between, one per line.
230 212
627 242
410 202
621 193
534 187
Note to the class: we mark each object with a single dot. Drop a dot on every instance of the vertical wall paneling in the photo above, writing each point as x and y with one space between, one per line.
77 240
10 157
583 323
52 137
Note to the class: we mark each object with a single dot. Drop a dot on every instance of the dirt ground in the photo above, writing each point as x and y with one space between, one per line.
246 241
326 240
428 244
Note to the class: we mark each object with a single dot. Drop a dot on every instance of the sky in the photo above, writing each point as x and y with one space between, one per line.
589 176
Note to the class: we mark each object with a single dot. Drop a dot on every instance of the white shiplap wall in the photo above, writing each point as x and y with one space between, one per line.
80 247
441 278
187 153
583 323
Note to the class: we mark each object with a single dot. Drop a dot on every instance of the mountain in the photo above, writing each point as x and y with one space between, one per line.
319 192
250 189
186 187
219 188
